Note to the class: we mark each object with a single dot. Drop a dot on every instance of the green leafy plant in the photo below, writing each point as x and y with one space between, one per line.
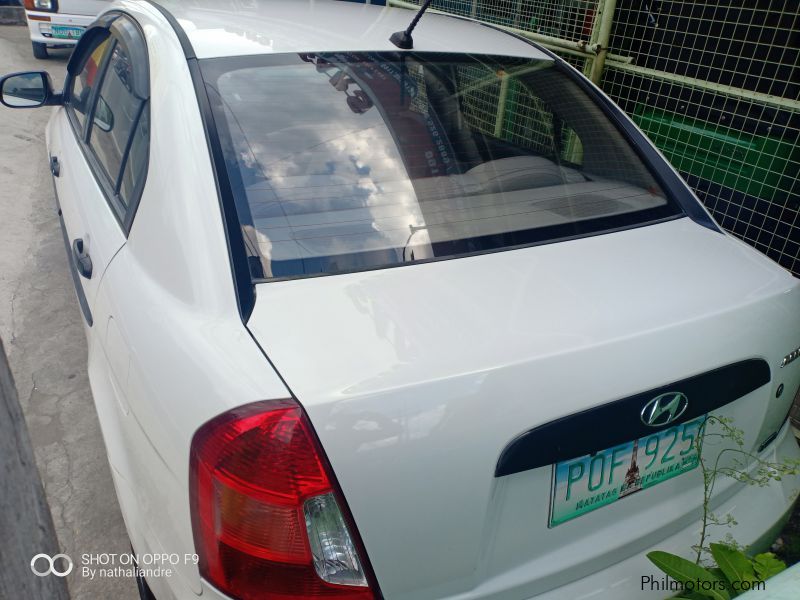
732 571
736 572
744 467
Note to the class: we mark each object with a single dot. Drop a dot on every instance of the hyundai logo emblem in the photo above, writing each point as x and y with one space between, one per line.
664 409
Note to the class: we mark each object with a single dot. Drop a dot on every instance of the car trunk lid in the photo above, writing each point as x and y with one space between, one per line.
418 378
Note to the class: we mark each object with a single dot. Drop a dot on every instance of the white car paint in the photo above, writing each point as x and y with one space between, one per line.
415 378
539 333
165 343
225 29
75 13
782 586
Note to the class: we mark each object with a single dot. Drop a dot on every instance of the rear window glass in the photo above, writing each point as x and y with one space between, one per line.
350 161
115 114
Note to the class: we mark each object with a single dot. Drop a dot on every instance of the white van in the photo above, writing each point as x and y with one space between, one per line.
59 23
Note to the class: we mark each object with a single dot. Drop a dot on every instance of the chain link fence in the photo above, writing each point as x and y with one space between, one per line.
714 84
564 19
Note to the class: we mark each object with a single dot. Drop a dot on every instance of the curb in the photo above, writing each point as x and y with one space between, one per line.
25 519
12 15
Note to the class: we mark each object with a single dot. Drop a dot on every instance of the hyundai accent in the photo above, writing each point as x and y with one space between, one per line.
376 310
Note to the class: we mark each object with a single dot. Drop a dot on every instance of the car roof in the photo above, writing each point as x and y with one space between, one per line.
245 27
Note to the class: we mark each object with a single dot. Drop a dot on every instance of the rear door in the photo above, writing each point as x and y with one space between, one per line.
94 150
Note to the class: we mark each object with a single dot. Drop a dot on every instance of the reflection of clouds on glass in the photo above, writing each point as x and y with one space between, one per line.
321 180
235 39
332 189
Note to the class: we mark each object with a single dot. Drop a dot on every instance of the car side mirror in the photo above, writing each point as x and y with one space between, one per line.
28 90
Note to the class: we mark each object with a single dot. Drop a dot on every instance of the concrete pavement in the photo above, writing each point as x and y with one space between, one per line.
40 323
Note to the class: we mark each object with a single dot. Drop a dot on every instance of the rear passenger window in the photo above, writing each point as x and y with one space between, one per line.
116 114
108 100
85 81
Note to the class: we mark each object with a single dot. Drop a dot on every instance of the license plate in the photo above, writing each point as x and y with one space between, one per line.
65 32
584 484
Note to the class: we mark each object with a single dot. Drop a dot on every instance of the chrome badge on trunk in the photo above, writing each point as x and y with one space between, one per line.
664 409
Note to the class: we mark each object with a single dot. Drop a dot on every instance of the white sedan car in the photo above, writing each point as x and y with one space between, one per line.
368 320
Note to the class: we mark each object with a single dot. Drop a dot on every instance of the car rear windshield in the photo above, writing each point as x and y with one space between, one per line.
341 162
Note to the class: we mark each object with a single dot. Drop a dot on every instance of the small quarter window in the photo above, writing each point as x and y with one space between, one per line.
136 165
115 115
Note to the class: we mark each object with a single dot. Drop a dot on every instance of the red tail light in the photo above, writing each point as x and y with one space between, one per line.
268 522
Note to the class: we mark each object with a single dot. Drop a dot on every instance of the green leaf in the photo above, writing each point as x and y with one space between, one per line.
767 565
689 574
717 572
734 564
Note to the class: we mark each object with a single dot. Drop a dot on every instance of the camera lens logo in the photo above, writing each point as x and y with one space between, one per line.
42 559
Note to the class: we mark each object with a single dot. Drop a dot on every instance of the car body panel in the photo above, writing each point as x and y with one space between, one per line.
417 377
167 350
623 580
782 586
228 28
84 209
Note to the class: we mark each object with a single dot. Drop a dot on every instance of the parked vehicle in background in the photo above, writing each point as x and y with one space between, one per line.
347 342
59 23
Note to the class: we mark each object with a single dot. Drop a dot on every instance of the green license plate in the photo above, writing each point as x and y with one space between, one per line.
64 32
584 484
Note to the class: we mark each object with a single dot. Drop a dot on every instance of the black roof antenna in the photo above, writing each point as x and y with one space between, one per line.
403 39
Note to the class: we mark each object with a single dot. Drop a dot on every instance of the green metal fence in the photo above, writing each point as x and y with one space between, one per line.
714 84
